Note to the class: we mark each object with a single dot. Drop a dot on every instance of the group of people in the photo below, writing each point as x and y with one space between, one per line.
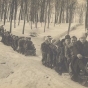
23 45
69 55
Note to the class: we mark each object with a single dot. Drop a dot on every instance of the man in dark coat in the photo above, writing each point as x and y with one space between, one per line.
63 60
8 38
29 47
67 52
72 52
15 42
44 50
79 59
21 44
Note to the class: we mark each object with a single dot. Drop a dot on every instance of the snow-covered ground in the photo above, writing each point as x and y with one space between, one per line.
19 71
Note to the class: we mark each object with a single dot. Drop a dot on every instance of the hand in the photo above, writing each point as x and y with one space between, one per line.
79 56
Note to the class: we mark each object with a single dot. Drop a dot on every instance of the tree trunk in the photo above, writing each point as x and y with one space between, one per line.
42 11
67 13
8 11
61 11
11 15
55 13
25 16
19 17
86 18
2 10
45 16
48 13
63 17
15 13
20 14
70 20
5 12
36 13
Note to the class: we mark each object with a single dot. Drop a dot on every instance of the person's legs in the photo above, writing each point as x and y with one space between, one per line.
70 70
66 65
77 66
75 71
55 59
51 60
44 58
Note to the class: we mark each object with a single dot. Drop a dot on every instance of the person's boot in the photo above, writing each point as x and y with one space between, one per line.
74 78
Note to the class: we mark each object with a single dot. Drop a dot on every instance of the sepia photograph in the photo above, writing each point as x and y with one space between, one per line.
43 43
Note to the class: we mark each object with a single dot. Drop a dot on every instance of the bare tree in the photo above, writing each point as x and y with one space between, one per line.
21 10
25 15
86 18
5 11
15 12
46 3
67 12
71 9
11 14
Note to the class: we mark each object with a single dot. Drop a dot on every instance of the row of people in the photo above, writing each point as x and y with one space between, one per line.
23 45
68 55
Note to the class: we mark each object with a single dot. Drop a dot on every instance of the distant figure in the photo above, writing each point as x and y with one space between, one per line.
29 47
44 50
1 29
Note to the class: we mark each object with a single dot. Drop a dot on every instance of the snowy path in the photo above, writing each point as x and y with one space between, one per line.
18 71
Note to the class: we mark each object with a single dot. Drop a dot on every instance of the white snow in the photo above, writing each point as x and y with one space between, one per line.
19 71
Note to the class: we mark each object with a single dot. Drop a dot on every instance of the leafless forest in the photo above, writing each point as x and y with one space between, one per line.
43 11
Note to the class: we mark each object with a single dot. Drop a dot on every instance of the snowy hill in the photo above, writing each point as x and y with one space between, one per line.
19 71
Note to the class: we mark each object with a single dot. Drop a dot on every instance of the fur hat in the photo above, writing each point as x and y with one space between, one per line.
67 37
49 37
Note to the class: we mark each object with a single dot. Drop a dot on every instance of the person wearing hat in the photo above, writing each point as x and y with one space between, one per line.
67 52
8 37
82 46
15 43
44 51
67 40
48 55
62 65
71 53
49 39
29 47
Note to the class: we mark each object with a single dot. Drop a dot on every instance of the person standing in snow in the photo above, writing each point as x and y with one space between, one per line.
63 60
44 50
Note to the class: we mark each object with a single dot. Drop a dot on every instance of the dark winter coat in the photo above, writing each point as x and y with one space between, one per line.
45 47
82 48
